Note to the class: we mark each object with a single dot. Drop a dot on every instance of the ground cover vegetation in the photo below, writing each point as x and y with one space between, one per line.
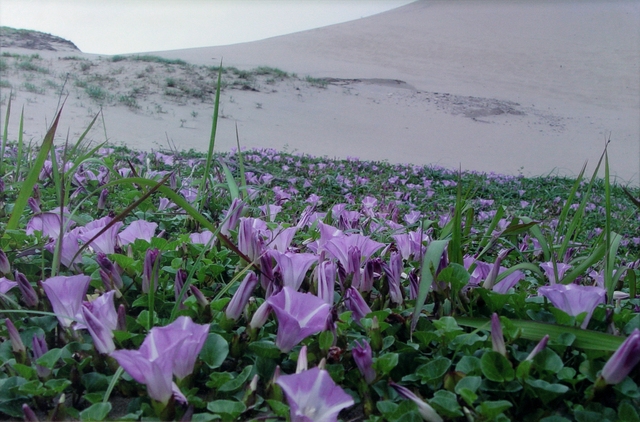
264 285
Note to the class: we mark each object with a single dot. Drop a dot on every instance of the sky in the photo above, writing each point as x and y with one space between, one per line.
135 26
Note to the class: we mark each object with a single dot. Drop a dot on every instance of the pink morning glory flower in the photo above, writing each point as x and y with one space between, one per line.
313 396
66 295
166 351
574 299
299 316
6 285
293 266
139 229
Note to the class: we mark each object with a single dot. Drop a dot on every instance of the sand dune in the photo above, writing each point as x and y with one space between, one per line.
519 86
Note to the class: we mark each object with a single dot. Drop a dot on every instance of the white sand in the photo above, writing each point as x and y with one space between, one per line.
504 86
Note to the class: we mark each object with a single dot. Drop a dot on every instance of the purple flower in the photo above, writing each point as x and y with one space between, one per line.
14 336
106 242
539 347
623 360
497 339
6 285
574 299
68 250
66 295
100 318
151 270
427 412
293 267
326 281
49 223
29 295
201 238
354 302
110 270
313 396
39 347
5 266
139 229
189 349
102 200
362 355
241 296
299 316
232 217
250 241
549 271
394 273
165 351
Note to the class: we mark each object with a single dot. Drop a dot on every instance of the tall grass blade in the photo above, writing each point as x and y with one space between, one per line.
32 177
532 330
429 266
16 177
212 141
455 245
231 183
5 135
243 178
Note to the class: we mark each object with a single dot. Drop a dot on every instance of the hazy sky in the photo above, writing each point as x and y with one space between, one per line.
130 26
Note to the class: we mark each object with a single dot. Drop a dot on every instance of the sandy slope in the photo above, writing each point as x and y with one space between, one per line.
518 86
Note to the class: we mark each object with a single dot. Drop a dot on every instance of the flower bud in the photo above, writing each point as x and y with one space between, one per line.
623 360
29 295
539 347
102 200
29 415
151 271
362 355
5 266
302 364
241 296
354 302
39 346
121 325
497 339
16 342
427 412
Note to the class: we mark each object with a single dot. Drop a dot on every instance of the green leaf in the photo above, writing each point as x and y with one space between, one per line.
57 385
446 404
325 340
25 371
548 360
279 408
94 382
434 370
627 412
214 351
237 383
265 349
49 359
96 412
229 408
470 383
469 365
547 391
34 388
491 409
218 379
496 367
385 363
456 275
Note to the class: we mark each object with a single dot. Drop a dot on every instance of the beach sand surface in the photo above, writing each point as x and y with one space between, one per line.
531 87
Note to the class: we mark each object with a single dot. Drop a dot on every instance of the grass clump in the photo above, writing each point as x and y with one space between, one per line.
95 92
